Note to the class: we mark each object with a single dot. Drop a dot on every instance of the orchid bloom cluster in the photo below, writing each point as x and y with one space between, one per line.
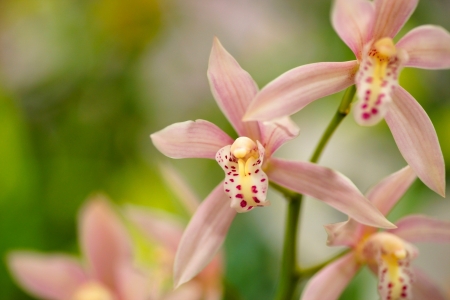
109 270
261 119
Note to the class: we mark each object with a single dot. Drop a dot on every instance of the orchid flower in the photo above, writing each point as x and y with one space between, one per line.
248 165
165 230
368 28
387 253
107 275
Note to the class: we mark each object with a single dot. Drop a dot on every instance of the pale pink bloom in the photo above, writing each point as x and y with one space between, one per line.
247 163
368 29
387 253
107 273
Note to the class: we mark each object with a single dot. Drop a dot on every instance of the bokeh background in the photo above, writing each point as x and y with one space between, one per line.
83 84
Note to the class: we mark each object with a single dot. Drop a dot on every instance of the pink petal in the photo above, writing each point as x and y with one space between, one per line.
132 283
233 88
425 288
189 291
298 87
104 241
329 186
428 47
416 139
353 21
344 233
199 139
330 282
180 188
387 192
390 16
276 133
157 225
420 228
203 236
53 277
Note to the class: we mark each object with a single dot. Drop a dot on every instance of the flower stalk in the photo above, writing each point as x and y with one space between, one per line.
289 275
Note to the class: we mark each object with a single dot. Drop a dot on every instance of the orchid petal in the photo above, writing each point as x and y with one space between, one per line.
53 277
416 139
199 139
352 20
233 88
425 288
203 236
390 16
104 240
189 291
346 233
428 47
329 186
330 282
420 228
298 87
387 192
276 133
132 284
180 188
157 225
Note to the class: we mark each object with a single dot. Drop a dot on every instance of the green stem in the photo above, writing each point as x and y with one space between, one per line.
341 113
289 275
308 272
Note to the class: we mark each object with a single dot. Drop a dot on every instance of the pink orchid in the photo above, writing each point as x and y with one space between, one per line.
368 29
248 163
108 274
387 253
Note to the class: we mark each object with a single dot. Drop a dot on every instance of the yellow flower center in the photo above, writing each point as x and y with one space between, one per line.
92 291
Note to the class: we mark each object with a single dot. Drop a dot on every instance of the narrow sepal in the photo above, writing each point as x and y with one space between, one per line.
417 140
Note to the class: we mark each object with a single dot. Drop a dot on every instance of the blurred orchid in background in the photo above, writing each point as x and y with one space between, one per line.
107 273
368 29
387 253
242 160
165 231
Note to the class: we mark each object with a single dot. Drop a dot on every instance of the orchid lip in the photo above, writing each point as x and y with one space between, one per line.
245 182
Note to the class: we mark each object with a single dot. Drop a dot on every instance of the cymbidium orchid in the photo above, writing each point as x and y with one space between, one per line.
107 274
387 253
248 165
368 28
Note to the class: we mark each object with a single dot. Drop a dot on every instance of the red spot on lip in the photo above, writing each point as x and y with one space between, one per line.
369 79
243 203
227 190
254 190
240 196
365 116
250 207
256 200
257 171
231 179
238 187
262 180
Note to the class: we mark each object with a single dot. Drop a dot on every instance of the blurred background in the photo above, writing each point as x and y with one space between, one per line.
83 84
